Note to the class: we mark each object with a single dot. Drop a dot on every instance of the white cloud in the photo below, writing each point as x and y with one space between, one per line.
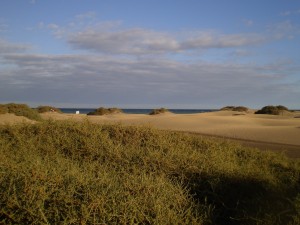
8 47
3 26
286 13
284 29
248 23
108 73
53 26
142 41
290 12
111 37
131 41
87 15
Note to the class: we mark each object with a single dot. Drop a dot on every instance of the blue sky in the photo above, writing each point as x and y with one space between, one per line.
150 53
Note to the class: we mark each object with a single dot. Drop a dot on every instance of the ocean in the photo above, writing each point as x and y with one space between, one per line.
137 111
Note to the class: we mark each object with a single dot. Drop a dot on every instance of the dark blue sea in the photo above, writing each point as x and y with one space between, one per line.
137 111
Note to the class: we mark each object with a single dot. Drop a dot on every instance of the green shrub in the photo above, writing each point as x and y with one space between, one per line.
272 110
235 108
3 109
81 173
22 110
105 111
158 111
43 109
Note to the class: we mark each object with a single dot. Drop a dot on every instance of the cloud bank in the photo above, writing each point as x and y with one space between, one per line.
94 79
8 47
142 41
138 67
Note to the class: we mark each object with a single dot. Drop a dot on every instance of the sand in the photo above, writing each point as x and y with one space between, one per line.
13 119
248 127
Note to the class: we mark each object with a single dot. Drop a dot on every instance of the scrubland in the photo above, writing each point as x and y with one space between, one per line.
66 172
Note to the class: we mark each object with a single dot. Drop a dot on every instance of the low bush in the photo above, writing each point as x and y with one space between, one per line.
63 172
235 108
104 111
158 111
3 109
272 110
43 109
21 110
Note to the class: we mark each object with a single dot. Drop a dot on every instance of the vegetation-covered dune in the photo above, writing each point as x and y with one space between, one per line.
20 110
104 111
159 111
235 108
46 108
272 110
81 173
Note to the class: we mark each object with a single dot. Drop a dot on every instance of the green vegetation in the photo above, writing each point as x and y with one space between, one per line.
63 172
46 108
104 111
272 110
235 108
158 111
20 110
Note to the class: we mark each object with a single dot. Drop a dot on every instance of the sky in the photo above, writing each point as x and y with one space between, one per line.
196 54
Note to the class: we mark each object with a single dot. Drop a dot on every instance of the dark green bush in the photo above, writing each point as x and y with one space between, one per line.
104 111
272 110
159 111
43 109
281 107
229 108
235 108
23 110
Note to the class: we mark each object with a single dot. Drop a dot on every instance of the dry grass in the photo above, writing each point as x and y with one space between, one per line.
20 110
82 173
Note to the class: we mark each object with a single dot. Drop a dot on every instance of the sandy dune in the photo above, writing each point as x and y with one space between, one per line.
282 129
265 128
12 119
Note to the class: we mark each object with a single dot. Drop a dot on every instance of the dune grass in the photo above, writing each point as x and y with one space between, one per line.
272 110
158 111
235 108
20 110
46 108
64 172
104 111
